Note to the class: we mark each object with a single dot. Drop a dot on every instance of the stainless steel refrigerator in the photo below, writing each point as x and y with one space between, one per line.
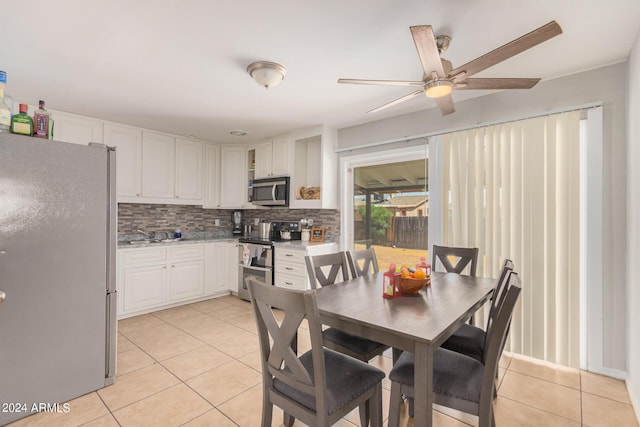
57 273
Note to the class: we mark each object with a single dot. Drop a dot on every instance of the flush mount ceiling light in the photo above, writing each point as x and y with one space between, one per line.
438 88
267 74
238 132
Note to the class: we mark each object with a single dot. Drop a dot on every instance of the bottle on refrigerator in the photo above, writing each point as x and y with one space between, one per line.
5 109
42 122
21 123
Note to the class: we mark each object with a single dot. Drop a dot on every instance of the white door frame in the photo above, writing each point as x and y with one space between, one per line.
348 163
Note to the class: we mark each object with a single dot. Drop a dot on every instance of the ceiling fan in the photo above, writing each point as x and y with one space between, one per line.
440 78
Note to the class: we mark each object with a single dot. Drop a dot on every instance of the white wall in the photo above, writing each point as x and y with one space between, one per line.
607 85
633 218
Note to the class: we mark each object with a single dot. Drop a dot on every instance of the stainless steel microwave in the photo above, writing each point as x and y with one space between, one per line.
271 191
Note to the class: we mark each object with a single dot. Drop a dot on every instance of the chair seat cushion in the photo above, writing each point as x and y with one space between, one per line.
347 378
468 339
457 379
353 345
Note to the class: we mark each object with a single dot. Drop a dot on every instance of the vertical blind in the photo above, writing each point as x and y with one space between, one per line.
513 192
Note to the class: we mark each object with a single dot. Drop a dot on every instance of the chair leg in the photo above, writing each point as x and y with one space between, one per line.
395 401
364 410
375 407
287 420
395 352
267 413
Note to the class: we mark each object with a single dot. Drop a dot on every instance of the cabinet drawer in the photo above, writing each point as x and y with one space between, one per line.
144 256
291 282
292 268
186 252
289 255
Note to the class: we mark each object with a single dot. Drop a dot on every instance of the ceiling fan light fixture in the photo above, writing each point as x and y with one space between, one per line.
438 88
267 74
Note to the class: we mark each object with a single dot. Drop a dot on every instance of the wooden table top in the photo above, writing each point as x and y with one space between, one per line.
430 316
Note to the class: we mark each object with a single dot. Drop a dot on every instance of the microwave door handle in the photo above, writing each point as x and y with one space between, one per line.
273 192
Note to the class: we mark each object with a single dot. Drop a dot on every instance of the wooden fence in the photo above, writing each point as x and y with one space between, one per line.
409 232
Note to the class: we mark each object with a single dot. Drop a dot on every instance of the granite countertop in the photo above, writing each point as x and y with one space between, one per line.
299 244
125 244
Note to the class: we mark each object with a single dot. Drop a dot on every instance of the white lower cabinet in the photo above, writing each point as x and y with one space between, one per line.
154 277
222 268
290 267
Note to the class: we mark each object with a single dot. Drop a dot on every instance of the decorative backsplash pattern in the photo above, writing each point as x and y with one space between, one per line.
194 219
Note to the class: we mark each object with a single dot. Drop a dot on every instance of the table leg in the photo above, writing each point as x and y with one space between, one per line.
423 385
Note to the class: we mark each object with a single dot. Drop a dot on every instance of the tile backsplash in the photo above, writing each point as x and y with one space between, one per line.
195 219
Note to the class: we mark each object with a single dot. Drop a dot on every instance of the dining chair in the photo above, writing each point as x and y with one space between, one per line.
319 387
361 348
327 269
472 340
465 256
459 381
362 262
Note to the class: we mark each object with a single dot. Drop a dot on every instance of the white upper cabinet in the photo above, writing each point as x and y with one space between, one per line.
233 177
128 143
211 176
273 158
76 129
158 165
189 169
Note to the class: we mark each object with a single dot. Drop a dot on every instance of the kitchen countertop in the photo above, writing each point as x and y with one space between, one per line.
289 244
185 241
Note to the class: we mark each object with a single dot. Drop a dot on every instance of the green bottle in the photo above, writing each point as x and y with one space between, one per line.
21 123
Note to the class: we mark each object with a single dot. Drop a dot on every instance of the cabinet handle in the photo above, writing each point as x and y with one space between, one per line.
164 266
177 197
173 266
288 268
288 283
288 255
137 194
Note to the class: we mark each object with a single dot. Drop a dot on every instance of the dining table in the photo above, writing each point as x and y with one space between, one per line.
418 323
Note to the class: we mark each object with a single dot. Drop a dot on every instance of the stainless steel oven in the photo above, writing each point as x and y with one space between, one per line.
255 260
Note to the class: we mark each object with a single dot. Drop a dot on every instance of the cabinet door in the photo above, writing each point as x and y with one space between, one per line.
233 177
158 165
143 287
76 129
189 160
281 157
128 143
186 281
264 154
211 176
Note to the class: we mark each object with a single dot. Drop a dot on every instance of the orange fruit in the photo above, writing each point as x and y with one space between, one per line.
420 274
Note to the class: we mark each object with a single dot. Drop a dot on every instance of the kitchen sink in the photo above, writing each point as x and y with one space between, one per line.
145 241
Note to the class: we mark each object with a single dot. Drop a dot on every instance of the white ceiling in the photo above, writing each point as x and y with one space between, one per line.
180 66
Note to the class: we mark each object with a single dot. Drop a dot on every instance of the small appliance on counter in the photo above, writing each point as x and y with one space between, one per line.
236 219
284 230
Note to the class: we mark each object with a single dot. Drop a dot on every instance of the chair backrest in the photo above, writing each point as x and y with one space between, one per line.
362 262
466 256
327 269
279 360
496 337
498 291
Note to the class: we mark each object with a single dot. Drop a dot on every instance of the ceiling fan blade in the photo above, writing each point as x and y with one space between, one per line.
382 82
427 50
397 101
470 84
510 49
445 104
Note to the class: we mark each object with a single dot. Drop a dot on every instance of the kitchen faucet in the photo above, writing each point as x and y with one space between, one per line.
150 236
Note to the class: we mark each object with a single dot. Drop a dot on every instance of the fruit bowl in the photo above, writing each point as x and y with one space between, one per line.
409 285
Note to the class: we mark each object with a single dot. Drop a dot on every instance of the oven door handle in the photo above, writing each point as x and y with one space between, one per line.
251 267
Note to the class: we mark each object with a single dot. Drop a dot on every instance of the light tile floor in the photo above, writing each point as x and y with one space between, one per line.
199 365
